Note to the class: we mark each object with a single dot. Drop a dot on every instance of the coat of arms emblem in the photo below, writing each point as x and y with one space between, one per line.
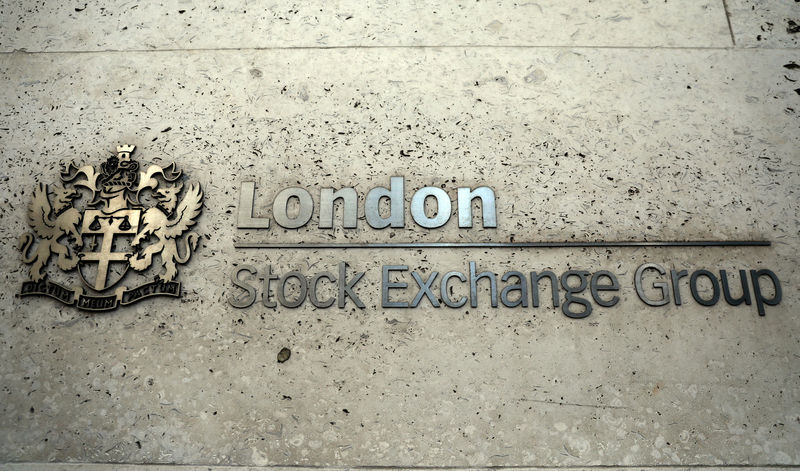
132 220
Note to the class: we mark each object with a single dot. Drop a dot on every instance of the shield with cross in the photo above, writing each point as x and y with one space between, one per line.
106 245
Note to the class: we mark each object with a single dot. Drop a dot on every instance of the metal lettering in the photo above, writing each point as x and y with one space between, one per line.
396 204
488 207
443 289
570 292
282 290
245 218
346 288
760 299
676 287
744 298
661 285
312 290
596 287
280 208
521 286
443 207
553 286
266 296
386 285
238 301
714 285
425 289
349 207
473 285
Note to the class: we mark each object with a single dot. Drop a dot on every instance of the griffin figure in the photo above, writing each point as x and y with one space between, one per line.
169 221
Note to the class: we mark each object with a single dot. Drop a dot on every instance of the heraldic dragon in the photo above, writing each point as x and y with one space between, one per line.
169 223
49 229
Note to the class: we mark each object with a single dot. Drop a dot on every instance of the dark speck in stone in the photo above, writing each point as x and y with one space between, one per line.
284 355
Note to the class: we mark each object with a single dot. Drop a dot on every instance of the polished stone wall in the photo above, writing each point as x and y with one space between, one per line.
614 121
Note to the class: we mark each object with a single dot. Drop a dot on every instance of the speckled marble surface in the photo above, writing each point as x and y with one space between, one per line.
765 23
579 143
155 467
686 145
64 26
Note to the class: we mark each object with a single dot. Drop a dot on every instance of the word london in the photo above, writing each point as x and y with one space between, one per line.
394 195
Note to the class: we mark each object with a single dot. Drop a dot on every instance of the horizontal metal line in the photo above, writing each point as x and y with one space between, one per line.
505 245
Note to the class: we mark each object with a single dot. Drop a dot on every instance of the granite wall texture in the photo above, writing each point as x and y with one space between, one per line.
671 133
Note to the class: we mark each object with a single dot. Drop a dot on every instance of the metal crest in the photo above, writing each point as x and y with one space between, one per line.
131 220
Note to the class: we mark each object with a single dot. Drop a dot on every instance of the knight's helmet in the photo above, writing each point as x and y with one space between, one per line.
119 174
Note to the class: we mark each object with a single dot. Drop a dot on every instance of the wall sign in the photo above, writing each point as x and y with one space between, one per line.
128 216
576 292
139 220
